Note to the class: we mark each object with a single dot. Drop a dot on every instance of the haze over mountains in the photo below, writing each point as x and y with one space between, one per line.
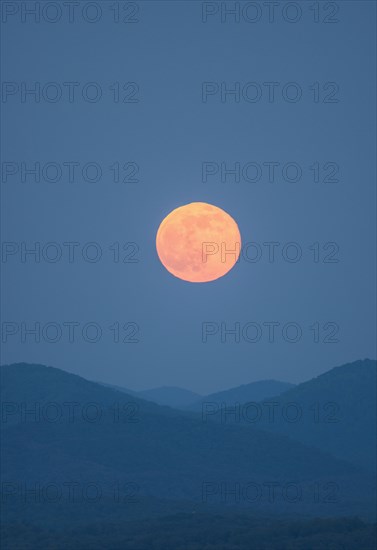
255 391
170 396
58 427
180 398
335 411
344 396
343 406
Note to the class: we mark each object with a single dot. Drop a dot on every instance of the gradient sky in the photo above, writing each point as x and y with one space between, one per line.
169 133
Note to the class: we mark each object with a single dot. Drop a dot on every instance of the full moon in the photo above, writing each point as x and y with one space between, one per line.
198 242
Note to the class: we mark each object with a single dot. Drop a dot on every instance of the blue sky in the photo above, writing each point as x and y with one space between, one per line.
153 128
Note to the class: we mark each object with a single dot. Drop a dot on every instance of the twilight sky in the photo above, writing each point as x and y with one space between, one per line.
130 120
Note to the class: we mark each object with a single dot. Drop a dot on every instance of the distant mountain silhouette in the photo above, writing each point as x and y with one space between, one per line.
180 398
338 412
335 412
112 437
255 391
118 388
171 396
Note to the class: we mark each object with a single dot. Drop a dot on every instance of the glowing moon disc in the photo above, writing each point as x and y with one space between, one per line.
198 242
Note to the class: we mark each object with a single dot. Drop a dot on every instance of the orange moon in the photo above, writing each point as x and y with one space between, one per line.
198 242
